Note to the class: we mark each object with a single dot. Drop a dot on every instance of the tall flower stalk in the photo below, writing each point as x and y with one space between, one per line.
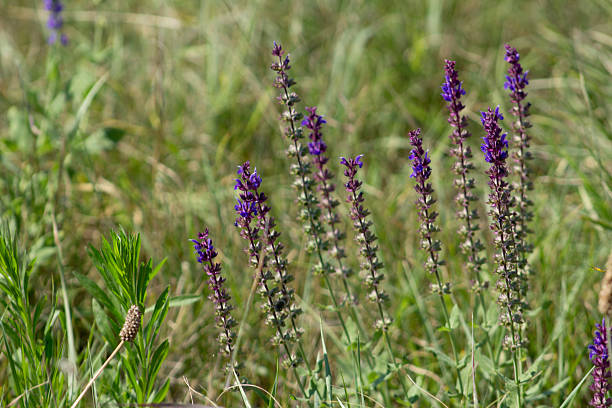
598 354
248 184
327 204
371 266
219 295
452 91
302 170
516 81
471 247
495 149
325 186
265 255
421 171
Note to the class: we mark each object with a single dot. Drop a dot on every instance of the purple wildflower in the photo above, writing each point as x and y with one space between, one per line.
421 171
495 145
516 81
206 253
301 169
495 149
265 254
371 265
452 92
598 354
246 210
327 203
55 21
314 122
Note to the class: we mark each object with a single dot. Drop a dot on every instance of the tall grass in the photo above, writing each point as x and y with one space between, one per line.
142 118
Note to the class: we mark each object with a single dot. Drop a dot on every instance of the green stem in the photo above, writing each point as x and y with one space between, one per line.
276 319
516 362
434 261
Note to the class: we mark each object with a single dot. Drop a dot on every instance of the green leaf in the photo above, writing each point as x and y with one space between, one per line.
100 295
157 269
178 301
158 358
445 358
161 393
85 106
159 313
570 398
114 134
454 318
109 330
273 391
328 376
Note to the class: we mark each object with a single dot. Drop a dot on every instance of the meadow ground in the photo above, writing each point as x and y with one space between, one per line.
182 95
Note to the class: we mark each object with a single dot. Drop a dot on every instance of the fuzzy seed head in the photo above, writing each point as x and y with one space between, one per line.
132 324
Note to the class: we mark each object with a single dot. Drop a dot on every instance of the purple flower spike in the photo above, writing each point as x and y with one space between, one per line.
301 168
495 149
325 186
471 246
55 21
598 354
495 145
419 157
266 256
421 171
371 265
452 88
219 295
516 81
314 122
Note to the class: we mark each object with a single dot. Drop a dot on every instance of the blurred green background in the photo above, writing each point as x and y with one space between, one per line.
183 95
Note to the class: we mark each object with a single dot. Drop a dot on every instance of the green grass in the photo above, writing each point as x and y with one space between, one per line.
186 96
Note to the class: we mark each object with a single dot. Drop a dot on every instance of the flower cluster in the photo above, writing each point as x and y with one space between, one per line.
218 294
598 354
516 81
301 169
471 246
55 21
371 264
495 149
327 203
130 328
266 255
421 171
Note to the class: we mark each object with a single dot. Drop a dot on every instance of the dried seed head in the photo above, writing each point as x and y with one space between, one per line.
132 324
605 294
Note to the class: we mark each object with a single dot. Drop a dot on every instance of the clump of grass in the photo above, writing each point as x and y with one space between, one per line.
31 332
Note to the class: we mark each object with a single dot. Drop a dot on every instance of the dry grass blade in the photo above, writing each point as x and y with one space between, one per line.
16 400
276 402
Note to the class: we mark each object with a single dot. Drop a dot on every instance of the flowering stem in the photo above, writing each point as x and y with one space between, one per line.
452 91
308 205
279 329
508 294
275 246
473 250
223 312
434 261
379 298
